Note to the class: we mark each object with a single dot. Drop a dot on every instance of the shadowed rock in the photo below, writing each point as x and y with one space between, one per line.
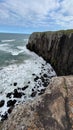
56 48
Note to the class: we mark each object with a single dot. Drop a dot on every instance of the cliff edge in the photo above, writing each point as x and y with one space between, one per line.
56 48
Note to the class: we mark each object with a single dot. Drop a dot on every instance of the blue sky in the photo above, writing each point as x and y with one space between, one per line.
27 16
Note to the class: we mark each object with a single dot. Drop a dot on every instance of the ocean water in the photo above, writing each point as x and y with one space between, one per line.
12 48
23 74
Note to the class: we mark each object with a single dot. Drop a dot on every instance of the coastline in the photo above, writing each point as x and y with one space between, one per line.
23 82
52 109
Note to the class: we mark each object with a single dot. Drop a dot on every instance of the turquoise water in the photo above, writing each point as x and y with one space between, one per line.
12 48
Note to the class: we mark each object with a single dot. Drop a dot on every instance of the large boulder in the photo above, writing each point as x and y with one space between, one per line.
56 48
51 111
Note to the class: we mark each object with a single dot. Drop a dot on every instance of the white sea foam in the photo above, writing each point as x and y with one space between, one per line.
7 48
21 74
12 40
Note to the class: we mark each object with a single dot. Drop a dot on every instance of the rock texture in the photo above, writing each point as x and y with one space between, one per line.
56 48
51 111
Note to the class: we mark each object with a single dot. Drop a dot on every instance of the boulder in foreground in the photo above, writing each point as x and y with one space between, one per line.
51 111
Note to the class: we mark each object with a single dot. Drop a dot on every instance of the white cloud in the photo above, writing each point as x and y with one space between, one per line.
37 13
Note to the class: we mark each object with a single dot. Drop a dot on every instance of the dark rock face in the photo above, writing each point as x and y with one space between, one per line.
56 48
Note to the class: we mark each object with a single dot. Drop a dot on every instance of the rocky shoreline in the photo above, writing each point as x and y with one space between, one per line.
36 85
53 108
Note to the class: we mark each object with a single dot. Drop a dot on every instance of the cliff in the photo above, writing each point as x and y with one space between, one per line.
51 111
56 48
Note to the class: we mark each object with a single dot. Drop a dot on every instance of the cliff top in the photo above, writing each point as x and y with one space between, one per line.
59 31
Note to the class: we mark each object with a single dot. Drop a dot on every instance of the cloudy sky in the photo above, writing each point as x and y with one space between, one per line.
27 16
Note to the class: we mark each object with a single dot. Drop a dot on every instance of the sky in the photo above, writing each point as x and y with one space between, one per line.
27 16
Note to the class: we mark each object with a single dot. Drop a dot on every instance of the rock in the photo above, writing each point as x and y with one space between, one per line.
41 91
17 94
32 90
4 117
11 103
2 103
56 48
42 78
9 95
28 82
25 87
45 75
53 110
33 74
33 94
36 78
10 109
19 88
15 84
45 84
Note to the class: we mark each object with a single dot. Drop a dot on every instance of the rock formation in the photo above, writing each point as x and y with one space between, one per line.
51 111
56 48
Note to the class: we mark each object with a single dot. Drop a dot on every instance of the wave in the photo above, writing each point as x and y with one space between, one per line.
22 74
12 40
7 48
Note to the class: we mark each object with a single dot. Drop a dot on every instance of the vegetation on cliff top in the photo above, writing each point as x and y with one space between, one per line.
59 31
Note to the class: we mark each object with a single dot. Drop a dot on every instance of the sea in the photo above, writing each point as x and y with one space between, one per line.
23 74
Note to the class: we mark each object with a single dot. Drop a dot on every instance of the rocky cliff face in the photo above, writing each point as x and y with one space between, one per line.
56 48
51 111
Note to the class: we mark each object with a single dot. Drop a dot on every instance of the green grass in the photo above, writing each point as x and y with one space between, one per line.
59 31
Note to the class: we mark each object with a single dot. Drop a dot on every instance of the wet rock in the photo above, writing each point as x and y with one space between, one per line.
10 109
33 74
38 86
9 95
2 103
45 75
4 117
11 103
36 78
29 82
45 84
32 90
41 91
33 94
0 92
19 88
15 84
25 87
42 64
40 73
17 94
42 78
